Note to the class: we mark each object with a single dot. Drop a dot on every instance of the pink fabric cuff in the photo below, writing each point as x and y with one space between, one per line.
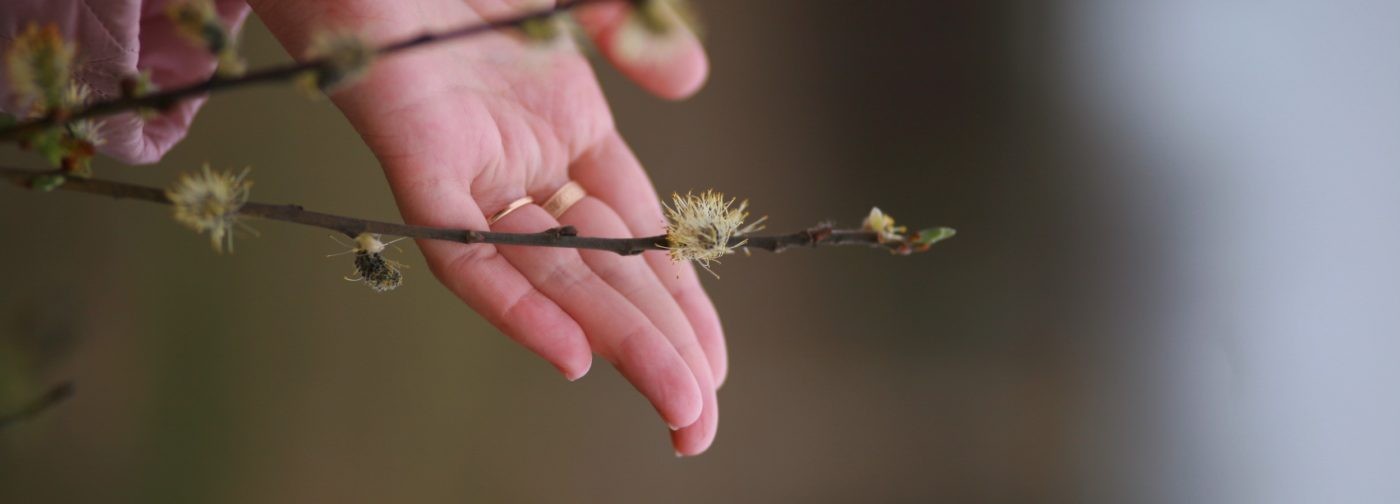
117 39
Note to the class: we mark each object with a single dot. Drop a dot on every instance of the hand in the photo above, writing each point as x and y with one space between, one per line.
465 128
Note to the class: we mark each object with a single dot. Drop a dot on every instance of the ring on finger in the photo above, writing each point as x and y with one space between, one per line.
513 206
564 198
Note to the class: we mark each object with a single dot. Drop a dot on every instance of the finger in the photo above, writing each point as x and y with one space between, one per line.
670 65
618 330
611 173
684 285
495 289
638 283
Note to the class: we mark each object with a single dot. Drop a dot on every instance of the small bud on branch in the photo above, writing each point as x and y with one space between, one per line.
883 224
542 30
199 22
345 58
652 30
663 17
139 85
39 63
39 67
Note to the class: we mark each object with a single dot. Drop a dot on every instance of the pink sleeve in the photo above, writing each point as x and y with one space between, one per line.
116 39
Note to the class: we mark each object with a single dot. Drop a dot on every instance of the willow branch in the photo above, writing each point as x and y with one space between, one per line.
281 73
563 237
55 395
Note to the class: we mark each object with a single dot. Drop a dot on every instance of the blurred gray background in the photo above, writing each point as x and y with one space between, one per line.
1130 185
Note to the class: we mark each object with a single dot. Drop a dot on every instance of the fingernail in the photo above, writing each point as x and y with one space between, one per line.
674 427
573 378
679 454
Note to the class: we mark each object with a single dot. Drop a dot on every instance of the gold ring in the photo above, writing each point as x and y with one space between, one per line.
513 206
564 198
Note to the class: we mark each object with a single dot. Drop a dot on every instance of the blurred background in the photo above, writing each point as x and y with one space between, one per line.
1171 260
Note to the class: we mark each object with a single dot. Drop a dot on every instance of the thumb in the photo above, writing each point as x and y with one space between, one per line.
660 52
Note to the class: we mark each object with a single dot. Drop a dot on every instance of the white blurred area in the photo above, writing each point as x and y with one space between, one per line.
1262 143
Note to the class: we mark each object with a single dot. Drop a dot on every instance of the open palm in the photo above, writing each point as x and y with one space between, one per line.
465 128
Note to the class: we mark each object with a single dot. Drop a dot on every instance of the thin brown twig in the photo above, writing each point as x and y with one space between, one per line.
53 396
281 73
564 237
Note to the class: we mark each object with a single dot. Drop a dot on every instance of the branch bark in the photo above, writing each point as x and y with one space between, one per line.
564 237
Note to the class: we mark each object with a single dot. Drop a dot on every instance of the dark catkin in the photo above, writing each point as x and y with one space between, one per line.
377 272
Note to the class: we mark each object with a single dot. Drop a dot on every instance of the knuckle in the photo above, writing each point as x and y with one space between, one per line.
631 345
512 309
566 275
